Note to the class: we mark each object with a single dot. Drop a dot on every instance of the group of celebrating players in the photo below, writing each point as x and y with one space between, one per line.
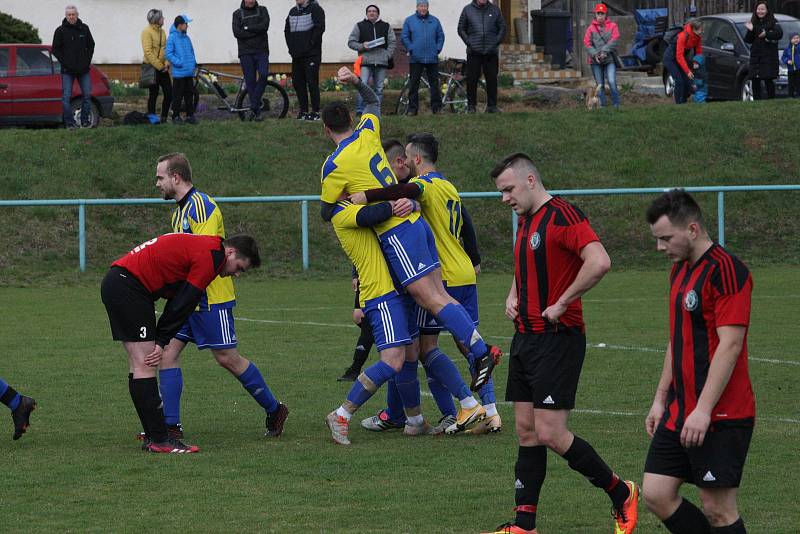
412 245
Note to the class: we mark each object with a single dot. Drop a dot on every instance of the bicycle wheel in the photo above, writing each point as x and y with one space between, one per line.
456 97
482 99
274 103
402 101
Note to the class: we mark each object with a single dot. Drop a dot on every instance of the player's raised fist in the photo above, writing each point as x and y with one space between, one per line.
345 75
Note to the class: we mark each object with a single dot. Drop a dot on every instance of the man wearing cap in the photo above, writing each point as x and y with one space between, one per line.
423 38
482 29
250 25
375 42
180 54
73 45
601 40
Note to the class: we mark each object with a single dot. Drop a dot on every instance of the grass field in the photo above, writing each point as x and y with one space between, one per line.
79 468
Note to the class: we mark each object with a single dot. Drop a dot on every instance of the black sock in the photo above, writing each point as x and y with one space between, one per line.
687 519
8 396
530 470
734 528
148 404
363 345
584 459
136 405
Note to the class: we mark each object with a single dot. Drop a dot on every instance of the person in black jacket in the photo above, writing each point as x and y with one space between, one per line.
482 28
304 28
74 47
763 34
250 25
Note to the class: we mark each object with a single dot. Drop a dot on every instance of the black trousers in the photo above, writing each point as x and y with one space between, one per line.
182 92
794 84
305 78
162 81
770 84
431 71
489 65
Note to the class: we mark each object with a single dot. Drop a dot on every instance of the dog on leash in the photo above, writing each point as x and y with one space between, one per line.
593 97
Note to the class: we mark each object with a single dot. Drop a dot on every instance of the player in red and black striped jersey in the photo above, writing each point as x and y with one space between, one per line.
176 267
702 417
558 258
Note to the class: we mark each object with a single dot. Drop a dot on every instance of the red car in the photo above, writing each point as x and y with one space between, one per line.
30 88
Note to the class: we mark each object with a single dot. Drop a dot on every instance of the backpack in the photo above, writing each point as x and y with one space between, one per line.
135 117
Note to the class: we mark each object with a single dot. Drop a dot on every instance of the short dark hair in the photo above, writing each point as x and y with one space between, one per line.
178 164
393 148
336 116
678 206
376 7
246 247
516 160
426 145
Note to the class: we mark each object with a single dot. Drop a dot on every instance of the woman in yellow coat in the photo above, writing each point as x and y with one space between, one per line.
154 42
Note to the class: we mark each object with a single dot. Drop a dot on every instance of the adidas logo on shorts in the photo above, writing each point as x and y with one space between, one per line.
709 477
548 400
421 266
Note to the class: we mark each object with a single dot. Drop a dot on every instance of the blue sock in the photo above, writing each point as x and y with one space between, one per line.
170 383
439 366
440 394
456 319
254 383
408 387
487 391
9 396
378 373
394 404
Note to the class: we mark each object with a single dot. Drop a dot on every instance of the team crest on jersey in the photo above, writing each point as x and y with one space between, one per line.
690 301
185 223
536 240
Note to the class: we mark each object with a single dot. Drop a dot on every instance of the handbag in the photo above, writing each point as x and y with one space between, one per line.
147 77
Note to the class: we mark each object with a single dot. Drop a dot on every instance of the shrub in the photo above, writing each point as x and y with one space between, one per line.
17 31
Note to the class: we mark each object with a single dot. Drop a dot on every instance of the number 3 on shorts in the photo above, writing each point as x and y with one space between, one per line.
143 332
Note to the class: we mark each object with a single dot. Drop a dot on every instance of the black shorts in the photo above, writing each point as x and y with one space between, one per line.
545 368
717 464
130 307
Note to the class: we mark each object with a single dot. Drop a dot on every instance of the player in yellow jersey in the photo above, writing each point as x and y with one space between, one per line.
211 325
442 209
359 164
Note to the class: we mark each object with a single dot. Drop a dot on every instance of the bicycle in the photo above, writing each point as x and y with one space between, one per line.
275 102
454 92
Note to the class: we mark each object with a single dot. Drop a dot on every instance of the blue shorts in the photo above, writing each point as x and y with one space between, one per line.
392 320
467 296
209 329
410 251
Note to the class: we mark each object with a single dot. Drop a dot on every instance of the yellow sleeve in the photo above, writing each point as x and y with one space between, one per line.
370 122
148 46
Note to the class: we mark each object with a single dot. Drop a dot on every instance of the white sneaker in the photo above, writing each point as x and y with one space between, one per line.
339 427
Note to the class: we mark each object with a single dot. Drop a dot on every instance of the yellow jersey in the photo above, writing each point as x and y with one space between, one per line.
359 164
441 209
198 214
364 251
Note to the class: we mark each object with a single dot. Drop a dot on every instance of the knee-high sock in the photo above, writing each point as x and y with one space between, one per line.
442 397
9 396
530 470
585 460
363 345
438 364
149 407
687 519
170 382
367 384
408 386
254 383
394 408
487 391
734 528
142 418
458 322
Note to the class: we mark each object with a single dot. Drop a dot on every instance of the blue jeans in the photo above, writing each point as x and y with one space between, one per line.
85 83
253 64
606 73
378 75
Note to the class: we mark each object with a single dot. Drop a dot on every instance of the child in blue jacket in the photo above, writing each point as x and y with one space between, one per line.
700 80
180 54
790 58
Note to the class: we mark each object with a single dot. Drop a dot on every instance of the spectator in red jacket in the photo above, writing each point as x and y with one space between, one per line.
678 58
601 40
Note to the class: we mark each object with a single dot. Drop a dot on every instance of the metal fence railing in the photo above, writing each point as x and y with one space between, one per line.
303 200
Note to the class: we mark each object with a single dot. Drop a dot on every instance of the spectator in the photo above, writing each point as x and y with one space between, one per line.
180 54
74 47
304 28
250 25
423 37
700 80
763 34
482 28
375 42
154 45
688 43
791 58
601 40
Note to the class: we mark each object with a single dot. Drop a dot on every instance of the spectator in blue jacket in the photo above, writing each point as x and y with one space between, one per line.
180 54
791 58
423 37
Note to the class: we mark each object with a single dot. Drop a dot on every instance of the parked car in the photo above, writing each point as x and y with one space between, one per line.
728 56
30 88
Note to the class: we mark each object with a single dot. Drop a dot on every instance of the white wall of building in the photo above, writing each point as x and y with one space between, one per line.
117 24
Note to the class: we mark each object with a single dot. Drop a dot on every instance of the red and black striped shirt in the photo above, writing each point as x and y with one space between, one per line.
547 257
713 292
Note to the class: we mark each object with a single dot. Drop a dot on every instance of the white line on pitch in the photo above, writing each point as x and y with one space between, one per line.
298 323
